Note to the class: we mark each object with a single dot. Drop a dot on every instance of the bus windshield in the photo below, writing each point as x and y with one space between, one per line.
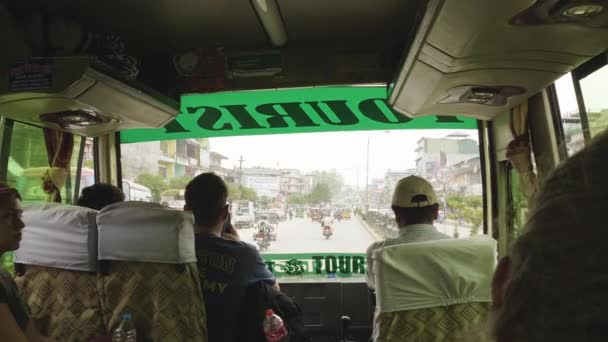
297 183
311 171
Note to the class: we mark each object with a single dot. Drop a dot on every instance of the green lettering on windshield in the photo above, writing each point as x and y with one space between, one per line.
284 111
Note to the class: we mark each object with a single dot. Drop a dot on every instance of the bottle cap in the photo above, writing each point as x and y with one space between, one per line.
127 316
269 312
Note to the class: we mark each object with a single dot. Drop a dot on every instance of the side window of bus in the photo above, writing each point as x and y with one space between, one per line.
28 163
593 89
572 125
518 205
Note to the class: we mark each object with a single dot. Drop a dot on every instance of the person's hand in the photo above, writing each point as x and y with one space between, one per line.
231 234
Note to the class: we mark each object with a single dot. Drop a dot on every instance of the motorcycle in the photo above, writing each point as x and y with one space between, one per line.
262 240
327 232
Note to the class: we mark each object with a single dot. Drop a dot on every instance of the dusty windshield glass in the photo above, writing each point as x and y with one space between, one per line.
293 186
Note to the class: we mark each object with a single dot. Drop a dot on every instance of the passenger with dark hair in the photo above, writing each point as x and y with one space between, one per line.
228 267
99 195
553 285
15 324
415 206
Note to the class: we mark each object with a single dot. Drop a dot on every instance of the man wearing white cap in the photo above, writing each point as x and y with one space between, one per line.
415 206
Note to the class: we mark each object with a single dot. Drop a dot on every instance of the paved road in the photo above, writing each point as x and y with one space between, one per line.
304 236
448 228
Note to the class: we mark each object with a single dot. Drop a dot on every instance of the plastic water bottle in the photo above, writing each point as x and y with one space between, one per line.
274 328
126 330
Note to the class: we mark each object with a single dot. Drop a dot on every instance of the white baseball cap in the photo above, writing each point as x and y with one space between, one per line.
414 192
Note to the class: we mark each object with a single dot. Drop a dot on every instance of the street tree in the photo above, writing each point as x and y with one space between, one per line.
179 182
155 183
333 180
296 199
234 192
248 194
320 193
475 217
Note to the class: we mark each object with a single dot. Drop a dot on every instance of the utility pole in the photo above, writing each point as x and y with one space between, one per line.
367 178
241 172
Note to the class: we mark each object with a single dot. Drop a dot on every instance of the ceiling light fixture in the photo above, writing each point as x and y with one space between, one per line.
270 16
581 11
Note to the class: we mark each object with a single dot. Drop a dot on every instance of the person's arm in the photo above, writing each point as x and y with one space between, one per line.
370 267
261 271
9 330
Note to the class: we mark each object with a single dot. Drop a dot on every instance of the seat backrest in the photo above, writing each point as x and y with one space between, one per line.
148 268
56 267
437 289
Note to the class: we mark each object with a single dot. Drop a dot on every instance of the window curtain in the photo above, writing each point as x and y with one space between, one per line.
59 147
519 151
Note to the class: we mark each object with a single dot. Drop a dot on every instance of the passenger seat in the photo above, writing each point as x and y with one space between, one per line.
56 271
148 268
433 291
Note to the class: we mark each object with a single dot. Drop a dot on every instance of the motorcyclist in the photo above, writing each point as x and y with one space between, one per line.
327 221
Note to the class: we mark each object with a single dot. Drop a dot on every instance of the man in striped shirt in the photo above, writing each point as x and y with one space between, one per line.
415 206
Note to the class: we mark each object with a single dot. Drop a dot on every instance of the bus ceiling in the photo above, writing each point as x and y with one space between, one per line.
80 67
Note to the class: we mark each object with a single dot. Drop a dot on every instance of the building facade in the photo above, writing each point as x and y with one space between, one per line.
265 182
436 153
169 158
466 177
291 182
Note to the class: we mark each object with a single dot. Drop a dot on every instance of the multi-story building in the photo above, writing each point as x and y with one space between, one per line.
308 183
215 164
169 158
291 182
266 182
141 158
436 153
392 177
466 177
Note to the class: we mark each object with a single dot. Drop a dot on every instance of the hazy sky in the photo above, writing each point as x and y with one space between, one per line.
343 151
594 92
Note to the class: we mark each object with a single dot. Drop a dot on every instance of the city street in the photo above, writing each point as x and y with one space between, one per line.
304 236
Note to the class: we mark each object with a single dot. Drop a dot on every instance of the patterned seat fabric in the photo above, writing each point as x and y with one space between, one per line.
63 304
458 322
433 291
166 301
56 271
147 267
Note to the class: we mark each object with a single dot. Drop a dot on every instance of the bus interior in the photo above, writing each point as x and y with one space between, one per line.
303 107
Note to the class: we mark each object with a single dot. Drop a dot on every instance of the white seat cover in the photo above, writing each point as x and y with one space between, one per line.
434 273
145 232
60 236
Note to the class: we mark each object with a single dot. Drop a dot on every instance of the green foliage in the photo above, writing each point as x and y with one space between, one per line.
332 180
520 204
296 199
179 182
475 217
248 194
320 193
240 193
467 207
155 183
234 193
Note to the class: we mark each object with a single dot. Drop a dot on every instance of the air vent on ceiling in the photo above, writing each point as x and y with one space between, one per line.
73 96
475 42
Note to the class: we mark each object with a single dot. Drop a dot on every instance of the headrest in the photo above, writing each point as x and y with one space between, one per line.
146 232
434 273
60 236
